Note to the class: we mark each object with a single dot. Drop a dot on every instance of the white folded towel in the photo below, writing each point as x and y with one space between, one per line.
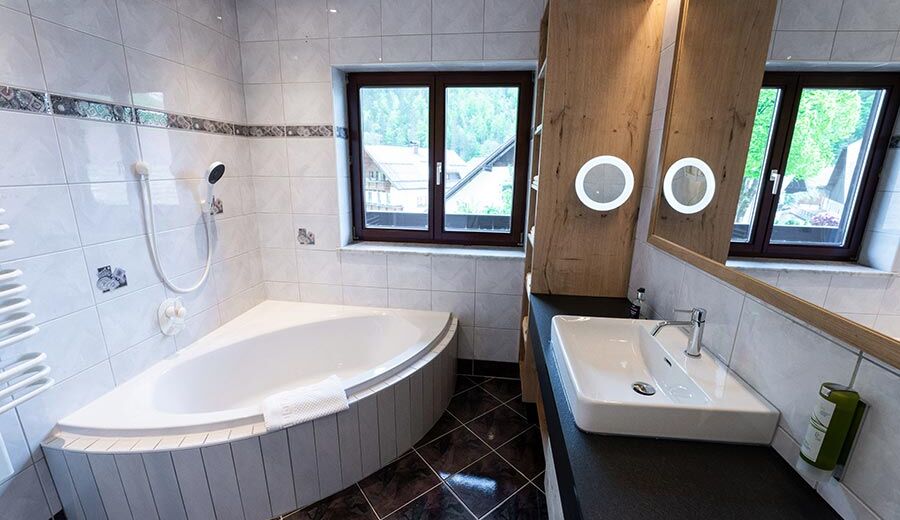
304 403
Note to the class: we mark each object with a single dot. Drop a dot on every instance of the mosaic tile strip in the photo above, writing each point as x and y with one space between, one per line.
68 106
895 141
12 98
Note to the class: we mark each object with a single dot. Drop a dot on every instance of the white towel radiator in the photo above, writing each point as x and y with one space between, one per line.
22 376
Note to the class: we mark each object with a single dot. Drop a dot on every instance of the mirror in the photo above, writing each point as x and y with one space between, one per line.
689 185
786 205
604 183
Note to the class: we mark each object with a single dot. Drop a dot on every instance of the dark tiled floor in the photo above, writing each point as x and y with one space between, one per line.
483 459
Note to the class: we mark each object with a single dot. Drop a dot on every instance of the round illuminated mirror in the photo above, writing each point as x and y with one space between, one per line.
604 183
689 185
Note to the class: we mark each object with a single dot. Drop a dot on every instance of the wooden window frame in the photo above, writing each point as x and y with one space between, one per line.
437 82
792 85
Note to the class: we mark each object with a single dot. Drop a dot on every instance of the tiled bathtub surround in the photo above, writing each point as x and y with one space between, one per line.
246 472
784 359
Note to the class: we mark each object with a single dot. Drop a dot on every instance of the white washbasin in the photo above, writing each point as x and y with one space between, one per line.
600 359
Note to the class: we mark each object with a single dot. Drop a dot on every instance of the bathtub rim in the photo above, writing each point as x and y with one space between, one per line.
118 444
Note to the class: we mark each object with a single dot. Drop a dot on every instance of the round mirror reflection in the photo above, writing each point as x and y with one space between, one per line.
604 183
689 185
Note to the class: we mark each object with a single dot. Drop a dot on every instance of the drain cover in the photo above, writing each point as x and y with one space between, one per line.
643 388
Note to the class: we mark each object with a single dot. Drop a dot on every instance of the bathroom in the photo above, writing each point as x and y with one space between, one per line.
266 259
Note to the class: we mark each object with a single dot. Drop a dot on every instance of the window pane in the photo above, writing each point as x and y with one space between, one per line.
829 148
395 162
757 155
480 158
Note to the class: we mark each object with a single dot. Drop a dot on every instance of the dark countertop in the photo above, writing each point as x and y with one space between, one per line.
618 477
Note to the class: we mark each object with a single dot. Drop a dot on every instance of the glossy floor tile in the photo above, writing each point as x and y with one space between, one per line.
483 459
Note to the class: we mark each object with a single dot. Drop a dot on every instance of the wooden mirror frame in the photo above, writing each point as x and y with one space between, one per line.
716 127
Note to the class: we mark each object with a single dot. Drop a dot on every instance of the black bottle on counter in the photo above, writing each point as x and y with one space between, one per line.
634 310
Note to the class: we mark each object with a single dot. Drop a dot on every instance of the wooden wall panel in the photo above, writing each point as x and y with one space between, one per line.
602 57
720 58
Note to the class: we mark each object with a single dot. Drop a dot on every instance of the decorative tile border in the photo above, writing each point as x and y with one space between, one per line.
24 100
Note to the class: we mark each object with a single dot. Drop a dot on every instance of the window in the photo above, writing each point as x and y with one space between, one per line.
816 149
440 157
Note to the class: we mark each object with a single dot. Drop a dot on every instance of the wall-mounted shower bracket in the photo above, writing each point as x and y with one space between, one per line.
171 316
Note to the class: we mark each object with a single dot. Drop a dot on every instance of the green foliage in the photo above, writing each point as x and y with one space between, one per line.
479 119
827 121
759 138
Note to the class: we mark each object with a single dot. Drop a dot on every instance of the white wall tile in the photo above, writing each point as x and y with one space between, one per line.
888 324
256 20
325 227
786 363
355 51
20 62
511 46
283 291
304 61
265 104
863 46
409 299
268 157
512 15
405 17
203 47
499 276
454 273
279 265
55 230
206 12
348 18
21 496
16 445
96 17
364 269
363 296
812 287
406 49
95 151
808 15
82 65
319 267
298 19
57 283
311 158
498 311
130 319
151 27
802 45
457 47
276 230
457 16
856 293
18 5
28 144
261 62
317 196
157 83
461 304
273 194
140 357
130 254
869 15
321 293
83 347
496 345
409 271
210 95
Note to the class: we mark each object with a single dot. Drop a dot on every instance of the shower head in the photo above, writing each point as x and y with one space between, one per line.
215 172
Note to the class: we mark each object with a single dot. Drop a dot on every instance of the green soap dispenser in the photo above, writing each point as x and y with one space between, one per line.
829 425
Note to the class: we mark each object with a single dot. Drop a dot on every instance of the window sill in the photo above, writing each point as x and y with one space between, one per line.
437 249
762 265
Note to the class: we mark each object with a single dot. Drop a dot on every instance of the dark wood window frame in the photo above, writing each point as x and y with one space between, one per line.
791 85
437 83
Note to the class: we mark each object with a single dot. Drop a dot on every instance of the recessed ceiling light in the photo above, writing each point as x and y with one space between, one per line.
332 10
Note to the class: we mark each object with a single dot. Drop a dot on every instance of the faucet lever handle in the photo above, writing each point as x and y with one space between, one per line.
698 314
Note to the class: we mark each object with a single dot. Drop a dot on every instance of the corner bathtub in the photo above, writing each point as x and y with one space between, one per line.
186 439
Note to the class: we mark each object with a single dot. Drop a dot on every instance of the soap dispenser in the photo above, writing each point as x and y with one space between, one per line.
831 420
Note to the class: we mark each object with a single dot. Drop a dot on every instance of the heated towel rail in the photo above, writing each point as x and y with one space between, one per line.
22 375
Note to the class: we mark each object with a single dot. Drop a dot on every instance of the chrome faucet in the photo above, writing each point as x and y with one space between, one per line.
697 321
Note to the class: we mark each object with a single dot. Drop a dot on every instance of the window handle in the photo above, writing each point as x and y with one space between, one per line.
775 178
438 173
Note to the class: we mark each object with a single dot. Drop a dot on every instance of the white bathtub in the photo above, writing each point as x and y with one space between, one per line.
220 380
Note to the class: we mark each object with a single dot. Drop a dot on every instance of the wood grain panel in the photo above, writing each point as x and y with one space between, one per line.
602 57
720 58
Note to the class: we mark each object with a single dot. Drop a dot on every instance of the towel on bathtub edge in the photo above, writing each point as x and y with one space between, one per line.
304 403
